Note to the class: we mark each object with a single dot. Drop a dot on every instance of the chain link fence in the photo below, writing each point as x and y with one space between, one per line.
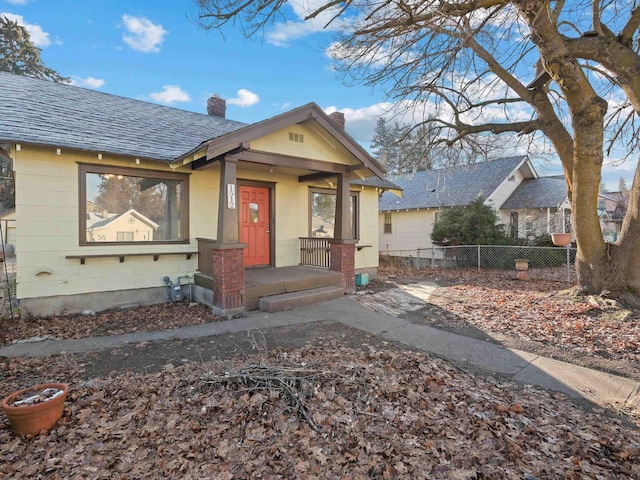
545 263
8 303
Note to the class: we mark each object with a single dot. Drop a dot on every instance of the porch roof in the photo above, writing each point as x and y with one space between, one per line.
238 142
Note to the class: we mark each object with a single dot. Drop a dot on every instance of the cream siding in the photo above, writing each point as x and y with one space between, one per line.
367 257
316 145
410 231
47 206
204 185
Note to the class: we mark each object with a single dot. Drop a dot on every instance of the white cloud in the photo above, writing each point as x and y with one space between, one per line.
17 2
39 37
284 32
245 98
360 123
143 35
339 52
88 82
170 94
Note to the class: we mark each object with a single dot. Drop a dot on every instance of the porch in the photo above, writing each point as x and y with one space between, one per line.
282 288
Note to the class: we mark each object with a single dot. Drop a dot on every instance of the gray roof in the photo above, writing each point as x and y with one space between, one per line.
376 182
542 192
448 187
47 113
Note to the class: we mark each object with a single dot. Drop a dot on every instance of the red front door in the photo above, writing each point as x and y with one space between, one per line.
254 225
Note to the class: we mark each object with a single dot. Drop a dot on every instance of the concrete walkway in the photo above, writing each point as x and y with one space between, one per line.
468 353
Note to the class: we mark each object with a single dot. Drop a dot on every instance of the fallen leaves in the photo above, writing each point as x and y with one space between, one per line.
536 311
378 413
111 322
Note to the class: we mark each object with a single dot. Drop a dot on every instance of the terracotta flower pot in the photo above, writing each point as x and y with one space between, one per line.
561 239
522 265
32 418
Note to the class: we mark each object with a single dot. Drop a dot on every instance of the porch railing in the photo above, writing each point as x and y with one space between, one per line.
315 252
205 256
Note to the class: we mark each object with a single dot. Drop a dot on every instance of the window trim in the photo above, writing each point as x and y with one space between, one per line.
85 168
387 223
355 221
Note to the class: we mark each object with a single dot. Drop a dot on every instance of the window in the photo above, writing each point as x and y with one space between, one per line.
323 211
127 205
125 237
513 225
387 222
567 220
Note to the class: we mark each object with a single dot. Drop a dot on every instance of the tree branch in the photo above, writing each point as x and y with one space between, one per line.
629 30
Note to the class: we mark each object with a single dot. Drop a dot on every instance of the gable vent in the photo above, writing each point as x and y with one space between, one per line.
296 137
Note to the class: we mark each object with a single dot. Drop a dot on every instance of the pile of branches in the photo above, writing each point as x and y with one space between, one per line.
293 383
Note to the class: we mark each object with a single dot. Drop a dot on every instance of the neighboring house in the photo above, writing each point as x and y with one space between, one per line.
8 228
527 204
538 206
612 207
113 194
130 226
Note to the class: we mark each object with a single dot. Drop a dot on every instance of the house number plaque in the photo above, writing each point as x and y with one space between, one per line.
231 196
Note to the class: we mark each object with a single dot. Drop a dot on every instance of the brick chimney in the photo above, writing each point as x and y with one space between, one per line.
338 119
216 106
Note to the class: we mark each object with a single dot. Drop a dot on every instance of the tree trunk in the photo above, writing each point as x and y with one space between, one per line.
601 267
614 269
626 254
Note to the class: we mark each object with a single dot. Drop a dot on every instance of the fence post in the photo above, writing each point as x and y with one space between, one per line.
433 256
568 260
478 258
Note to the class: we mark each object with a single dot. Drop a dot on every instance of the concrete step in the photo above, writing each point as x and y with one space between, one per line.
287 301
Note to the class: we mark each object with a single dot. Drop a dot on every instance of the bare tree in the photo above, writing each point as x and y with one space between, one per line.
567 71
405 149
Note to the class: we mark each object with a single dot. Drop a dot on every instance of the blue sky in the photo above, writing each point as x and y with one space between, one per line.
153 51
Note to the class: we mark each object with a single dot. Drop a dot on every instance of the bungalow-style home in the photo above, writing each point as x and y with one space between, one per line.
527 204
115 194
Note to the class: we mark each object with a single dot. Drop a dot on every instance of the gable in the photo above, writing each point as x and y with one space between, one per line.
272 134
305 141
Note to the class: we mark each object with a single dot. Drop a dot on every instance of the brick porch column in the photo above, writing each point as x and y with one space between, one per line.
228 279
343 260
228 253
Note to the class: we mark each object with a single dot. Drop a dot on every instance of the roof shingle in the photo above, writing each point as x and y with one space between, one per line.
448 187
543 192
47 113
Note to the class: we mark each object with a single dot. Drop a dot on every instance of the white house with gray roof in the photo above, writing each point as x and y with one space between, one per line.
528 204
225 205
